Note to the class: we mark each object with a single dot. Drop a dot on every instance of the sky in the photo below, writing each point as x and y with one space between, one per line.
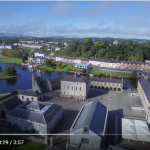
127 19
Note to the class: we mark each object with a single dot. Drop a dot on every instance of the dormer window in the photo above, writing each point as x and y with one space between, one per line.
85 130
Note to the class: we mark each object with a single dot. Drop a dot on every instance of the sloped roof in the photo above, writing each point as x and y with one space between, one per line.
105 80
30 93
75 79
93 116
12 103
43 116
145 84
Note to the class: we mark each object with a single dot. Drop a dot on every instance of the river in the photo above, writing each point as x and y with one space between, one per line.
25 81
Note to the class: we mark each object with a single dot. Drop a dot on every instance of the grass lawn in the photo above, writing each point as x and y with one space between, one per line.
63 68
113 73
25 48
3 95
4 76
10 60
27 145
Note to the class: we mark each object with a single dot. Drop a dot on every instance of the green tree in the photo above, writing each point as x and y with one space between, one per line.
59 64
74 69
49 62
71 68
133 74
32 53
139 55
10 71
84 70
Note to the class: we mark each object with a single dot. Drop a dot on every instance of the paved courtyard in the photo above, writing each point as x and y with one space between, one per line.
118 103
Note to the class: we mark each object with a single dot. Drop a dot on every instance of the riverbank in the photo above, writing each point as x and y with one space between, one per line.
4 76
63 69
17 61
98 72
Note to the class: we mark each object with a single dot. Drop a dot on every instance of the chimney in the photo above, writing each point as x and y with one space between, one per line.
51 142
67 145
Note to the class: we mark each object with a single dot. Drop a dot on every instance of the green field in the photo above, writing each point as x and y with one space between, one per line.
25 48
3 95
4 76
112 73
27 145
63 68
11 60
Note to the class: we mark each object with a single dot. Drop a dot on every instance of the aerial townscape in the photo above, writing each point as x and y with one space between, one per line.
71 82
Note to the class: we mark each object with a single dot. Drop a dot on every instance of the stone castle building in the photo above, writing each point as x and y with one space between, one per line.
40 85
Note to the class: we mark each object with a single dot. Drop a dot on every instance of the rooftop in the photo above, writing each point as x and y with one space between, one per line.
93 115
75 79
105 80
36 111
145 84
30 93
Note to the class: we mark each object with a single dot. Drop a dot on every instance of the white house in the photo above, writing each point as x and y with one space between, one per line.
115 42
58 48
4 46
37 59
89 127
18 44
83 66
36 54
58 58
77 61
94 62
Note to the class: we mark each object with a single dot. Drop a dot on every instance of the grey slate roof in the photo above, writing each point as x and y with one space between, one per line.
12 103
75 79
105 80
145 84
93 116
31 93
36 116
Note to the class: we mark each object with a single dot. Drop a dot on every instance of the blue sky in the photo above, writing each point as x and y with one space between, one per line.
76 19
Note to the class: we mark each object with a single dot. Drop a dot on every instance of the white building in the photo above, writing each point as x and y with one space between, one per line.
95 62
115 42
40 54
38 46
30 96
35 117
83 66
18 44
37 59
89 126
77 61
58 48
59 58
4 46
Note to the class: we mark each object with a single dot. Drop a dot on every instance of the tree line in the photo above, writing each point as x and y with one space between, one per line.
11 71
15 54
124 50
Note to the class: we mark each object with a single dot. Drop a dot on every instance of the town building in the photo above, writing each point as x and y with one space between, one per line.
35 50
106 83
115 42
89 128
37 60
68 59
37 46
35 117
83 66
8 105
58 48
4 46
144 92
76 87
17 44
40 54
30 96
84 61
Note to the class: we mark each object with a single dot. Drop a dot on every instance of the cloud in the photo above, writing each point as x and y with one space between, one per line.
43 29
60 8
12 13
136 21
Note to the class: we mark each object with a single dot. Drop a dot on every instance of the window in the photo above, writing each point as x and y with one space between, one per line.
72 87
22 97
76 88
80 88
68 87
85 140
68 93
64 86
64 92
77 83
86 130
32 98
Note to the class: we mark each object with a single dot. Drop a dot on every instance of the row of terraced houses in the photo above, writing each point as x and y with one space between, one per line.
102 62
